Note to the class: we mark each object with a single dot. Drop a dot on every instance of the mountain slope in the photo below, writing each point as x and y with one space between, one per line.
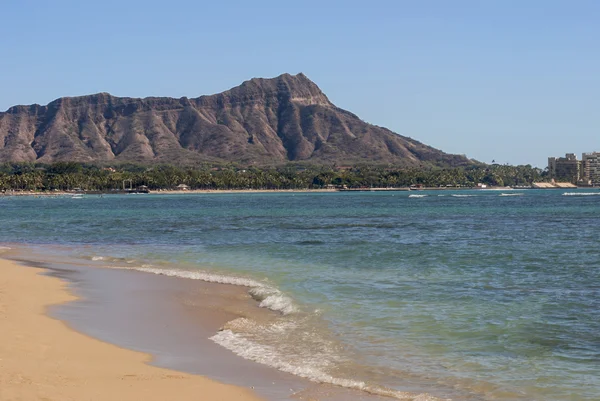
262 121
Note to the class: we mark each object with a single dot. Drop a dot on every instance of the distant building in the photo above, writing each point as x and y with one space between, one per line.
566 168
591 168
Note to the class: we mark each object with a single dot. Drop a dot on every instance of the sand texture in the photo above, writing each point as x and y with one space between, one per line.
43 359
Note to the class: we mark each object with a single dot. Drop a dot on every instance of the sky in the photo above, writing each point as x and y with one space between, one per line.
510 81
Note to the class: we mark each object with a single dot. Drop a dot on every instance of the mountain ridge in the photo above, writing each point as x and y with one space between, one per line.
262 121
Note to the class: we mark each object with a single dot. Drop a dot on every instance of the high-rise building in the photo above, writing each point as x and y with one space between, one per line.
566 168
591 167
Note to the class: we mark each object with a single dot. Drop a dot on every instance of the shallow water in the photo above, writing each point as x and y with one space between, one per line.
485 296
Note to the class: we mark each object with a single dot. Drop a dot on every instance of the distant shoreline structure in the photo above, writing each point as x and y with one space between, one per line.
263 191
584 172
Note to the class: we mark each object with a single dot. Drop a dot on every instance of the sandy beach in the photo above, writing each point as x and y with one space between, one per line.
43 359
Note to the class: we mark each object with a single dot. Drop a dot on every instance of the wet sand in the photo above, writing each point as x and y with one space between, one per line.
170 320
42 358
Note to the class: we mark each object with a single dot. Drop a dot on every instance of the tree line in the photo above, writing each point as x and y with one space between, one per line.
65 176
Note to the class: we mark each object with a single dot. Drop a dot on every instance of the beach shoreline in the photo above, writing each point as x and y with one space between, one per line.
383 292
170 321
259 191
281 191
43 358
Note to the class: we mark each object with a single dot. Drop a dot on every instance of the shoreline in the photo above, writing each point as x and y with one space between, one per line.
43 358
267 191
352 265
10 193
171 320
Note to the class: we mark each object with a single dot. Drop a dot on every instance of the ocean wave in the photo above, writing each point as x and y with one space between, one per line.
110 259
417 196
311 368
581 193
518 194
272 298
290 343
267 296
462 196
200 275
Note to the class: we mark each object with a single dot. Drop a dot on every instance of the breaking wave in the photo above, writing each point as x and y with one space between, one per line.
272 298
289 343
267 296
110 259
312 367
581 193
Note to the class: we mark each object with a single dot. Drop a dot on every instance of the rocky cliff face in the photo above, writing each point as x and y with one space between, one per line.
262 121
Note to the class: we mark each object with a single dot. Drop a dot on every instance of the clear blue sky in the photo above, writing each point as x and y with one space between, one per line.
509 80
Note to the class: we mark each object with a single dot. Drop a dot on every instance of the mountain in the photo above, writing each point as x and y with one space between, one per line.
262 121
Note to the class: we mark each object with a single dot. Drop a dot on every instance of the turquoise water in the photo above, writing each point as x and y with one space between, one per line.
485 294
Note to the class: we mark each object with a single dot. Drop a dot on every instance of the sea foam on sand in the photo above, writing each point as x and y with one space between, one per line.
309 356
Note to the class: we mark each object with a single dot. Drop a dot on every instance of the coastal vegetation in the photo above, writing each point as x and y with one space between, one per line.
65 176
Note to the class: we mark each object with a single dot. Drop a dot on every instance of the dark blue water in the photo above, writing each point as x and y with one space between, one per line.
473 290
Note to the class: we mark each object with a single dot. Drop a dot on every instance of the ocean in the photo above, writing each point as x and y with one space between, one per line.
471 294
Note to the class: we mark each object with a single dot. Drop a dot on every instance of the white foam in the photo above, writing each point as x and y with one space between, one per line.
203 276
311 368
581 193
268 297
261 292
96 258
280 303
462 196
310 365
272 298
519 194
417 196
